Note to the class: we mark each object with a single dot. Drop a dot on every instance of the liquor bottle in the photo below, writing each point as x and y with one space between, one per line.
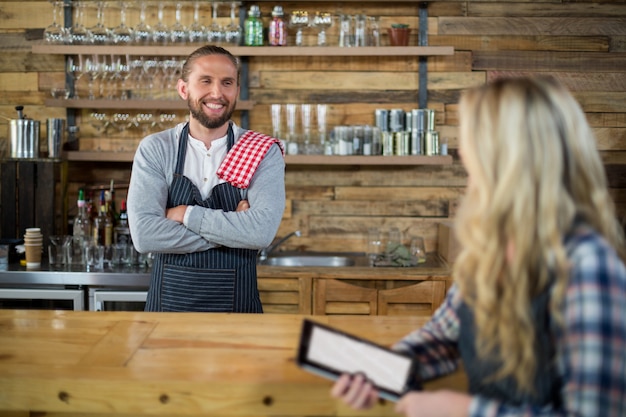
121 232
103 225
112 206
81 231
109 203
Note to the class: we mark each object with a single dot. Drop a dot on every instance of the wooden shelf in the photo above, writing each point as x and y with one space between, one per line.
131 104
184 50
102 156
367 160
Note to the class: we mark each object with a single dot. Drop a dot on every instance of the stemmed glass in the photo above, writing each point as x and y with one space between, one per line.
121 65
171 70
93 70
322 21
232 31
79 35
305 117
277 126
143 31
150 68
122 34
55 33
197 31
74 67
178 31
100 34
215 33
299 19
161 33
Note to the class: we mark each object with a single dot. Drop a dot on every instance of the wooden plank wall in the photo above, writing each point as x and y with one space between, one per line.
582 42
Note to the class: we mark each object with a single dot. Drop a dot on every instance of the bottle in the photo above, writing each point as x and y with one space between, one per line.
112 206
253 27
121 232
278 28
103 225
81 233
109 203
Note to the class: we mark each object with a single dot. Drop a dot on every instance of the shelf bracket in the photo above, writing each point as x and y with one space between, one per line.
422 92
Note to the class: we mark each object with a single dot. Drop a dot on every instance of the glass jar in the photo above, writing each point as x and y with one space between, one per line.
278 28
253 27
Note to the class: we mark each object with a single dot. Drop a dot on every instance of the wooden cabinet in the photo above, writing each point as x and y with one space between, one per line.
286 295
377 297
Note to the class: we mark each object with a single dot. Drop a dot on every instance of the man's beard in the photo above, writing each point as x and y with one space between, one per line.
195 109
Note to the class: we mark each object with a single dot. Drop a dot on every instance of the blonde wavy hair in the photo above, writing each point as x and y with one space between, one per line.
532 167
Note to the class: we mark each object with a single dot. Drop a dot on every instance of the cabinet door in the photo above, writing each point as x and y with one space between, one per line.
419 299
332 296
285 295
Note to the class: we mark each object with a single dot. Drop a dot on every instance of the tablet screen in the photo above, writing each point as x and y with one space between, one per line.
330 352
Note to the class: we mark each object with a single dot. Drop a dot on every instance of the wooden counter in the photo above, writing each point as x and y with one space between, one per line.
176 364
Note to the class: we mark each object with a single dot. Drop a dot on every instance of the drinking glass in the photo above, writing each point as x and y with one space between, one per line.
321 111
322 21
150 68
121 64
345 30
373 31
233 32
160 32
299 19
292 136
171 71
197 31
76 70
55 33
100 34
100 121
418 250
178 31
374 244
79 35
360 32
93 69
215 32
305 117
122 34
142 33
277 129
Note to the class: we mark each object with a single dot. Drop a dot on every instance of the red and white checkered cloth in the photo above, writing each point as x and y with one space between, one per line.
244 158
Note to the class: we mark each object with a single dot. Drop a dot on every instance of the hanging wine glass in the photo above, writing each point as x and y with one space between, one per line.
299 19
100 34
196 31
79 35
178 31
122 34
150 68
232 32
215 32
55 33
142 33
160 32
322 21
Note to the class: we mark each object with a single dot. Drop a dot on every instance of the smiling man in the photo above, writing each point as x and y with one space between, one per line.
205 196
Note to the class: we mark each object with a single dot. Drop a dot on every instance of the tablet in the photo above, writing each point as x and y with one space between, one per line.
330 352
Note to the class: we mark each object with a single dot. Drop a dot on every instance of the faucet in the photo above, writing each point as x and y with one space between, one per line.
265 252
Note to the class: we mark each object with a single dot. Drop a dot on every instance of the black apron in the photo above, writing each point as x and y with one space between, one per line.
217 280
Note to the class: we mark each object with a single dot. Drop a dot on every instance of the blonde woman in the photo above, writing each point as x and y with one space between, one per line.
538 310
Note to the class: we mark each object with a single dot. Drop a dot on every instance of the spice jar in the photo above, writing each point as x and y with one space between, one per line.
278 27
253 27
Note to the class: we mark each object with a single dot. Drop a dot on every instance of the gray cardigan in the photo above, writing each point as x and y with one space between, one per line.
152 173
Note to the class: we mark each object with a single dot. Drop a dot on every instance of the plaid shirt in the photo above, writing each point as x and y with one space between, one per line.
591 347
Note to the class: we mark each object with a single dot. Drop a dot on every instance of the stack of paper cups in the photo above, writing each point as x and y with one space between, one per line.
33 243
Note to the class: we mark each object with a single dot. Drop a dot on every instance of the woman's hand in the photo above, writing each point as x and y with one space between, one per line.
355 390
434 404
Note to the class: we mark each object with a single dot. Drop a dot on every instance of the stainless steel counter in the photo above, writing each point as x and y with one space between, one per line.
116 277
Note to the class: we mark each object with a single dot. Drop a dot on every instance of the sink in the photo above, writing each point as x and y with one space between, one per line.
314 259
